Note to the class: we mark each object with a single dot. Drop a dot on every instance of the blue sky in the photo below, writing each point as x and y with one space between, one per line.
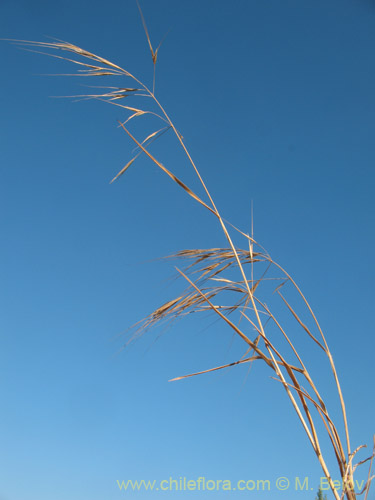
276 103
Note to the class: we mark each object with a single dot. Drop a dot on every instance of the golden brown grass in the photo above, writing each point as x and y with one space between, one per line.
222 280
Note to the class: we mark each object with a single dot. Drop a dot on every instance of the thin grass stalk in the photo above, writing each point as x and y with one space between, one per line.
332 364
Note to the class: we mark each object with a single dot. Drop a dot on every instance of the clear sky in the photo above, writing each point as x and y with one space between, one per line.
276 102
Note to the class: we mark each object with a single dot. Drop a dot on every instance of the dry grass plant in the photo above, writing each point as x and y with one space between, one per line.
228 281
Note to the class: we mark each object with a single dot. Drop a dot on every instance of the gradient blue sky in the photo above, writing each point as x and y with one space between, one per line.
276 102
